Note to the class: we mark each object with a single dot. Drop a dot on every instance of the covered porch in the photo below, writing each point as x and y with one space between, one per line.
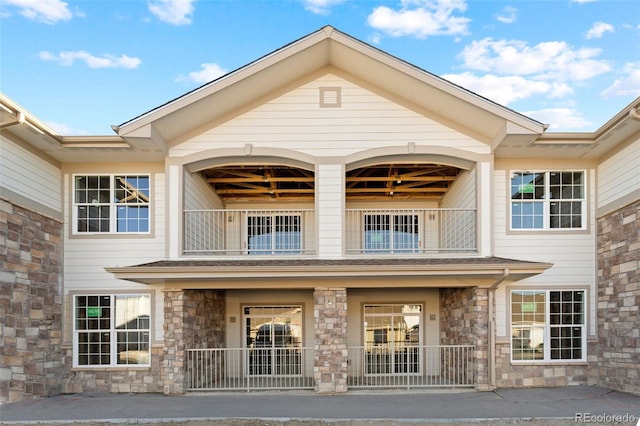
331 325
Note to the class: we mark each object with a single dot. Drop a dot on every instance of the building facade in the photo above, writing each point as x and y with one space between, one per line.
327 217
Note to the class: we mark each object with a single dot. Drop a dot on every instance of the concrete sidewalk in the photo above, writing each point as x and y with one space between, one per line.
559 405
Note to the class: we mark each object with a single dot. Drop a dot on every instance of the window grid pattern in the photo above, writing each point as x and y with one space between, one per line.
111 203
547 200
112 330
392 338
547 325
274 234
385 233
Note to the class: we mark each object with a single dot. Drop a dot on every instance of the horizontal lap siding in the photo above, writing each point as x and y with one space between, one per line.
295 120
87 256
573 254
619 175
29 176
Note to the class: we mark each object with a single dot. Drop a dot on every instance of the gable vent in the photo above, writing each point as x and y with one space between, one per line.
330 97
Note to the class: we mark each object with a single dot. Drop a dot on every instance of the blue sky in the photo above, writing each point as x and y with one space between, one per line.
82 66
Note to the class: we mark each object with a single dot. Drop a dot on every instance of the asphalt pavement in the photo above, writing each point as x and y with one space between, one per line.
587 403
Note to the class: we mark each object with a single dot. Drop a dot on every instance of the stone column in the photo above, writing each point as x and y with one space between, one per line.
174 342
330 340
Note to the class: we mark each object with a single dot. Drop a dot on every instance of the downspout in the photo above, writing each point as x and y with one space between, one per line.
492 328
19 120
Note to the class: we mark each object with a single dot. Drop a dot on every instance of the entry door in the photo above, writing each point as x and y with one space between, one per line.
392 339
273 337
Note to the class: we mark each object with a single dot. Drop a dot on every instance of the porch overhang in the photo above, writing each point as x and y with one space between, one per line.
312 273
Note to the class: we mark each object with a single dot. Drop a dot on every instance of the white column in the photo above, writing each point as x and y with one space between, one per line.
330 187
175 190
485 197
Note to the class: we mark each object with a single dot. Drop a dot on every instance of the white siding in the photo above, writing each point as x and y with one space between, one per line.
619 175
462 194
330 191
295 120
573 254
29 176
86 257
198 195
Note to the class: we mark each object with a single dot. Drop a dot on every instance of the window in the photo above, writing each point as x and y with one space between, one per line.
548 200
111 204
111 330
392 338
274 234
548 325
385 233
274 337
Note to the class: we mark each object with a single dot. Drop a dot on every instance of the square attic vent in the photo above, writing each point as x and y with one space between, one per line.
330 97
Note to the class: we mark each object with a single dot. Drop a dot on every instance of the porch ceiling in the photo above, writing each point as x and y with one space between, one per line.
386 181
352 273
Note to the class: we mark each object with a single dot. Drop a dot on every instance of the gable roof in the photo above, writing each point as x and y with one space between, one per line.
332 50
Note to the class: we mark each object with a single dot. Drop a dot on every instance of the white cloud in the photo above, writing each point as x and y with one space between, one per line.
548 60
507 89
629 85
508 15
174 12
67 58
560 118
598 29
320 7
421 18
208 73
46 11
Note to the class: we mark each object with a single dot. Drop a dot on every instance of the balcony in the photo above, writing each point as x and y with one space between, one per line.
293 232
249 232
410 231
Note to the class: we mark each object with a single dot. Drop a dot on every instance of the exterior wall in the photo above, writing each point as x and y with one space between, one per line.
198 195
619 298
619 176
464 315
31 355
295 120
572 253
510 375
29 179
86 256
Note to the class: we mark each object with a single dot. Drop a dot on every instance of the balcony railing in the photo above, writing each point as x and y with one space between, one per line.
292 368
249 232
410 231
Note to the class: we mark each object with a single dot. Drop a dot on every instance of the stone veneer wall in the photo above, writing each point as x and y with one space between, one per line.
31 255
510 375
194 319
115 379
330 340
619 299
464 314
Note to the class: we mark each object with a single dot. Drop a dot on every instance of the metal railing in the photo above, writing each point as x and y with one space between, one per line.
410 231
411 366
233 369
249 369
249 232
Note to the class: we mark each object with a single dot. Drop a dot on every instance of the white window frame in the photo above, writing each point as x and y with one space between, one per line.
112 204
273 246
392 216
546 202
547 326
112 331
